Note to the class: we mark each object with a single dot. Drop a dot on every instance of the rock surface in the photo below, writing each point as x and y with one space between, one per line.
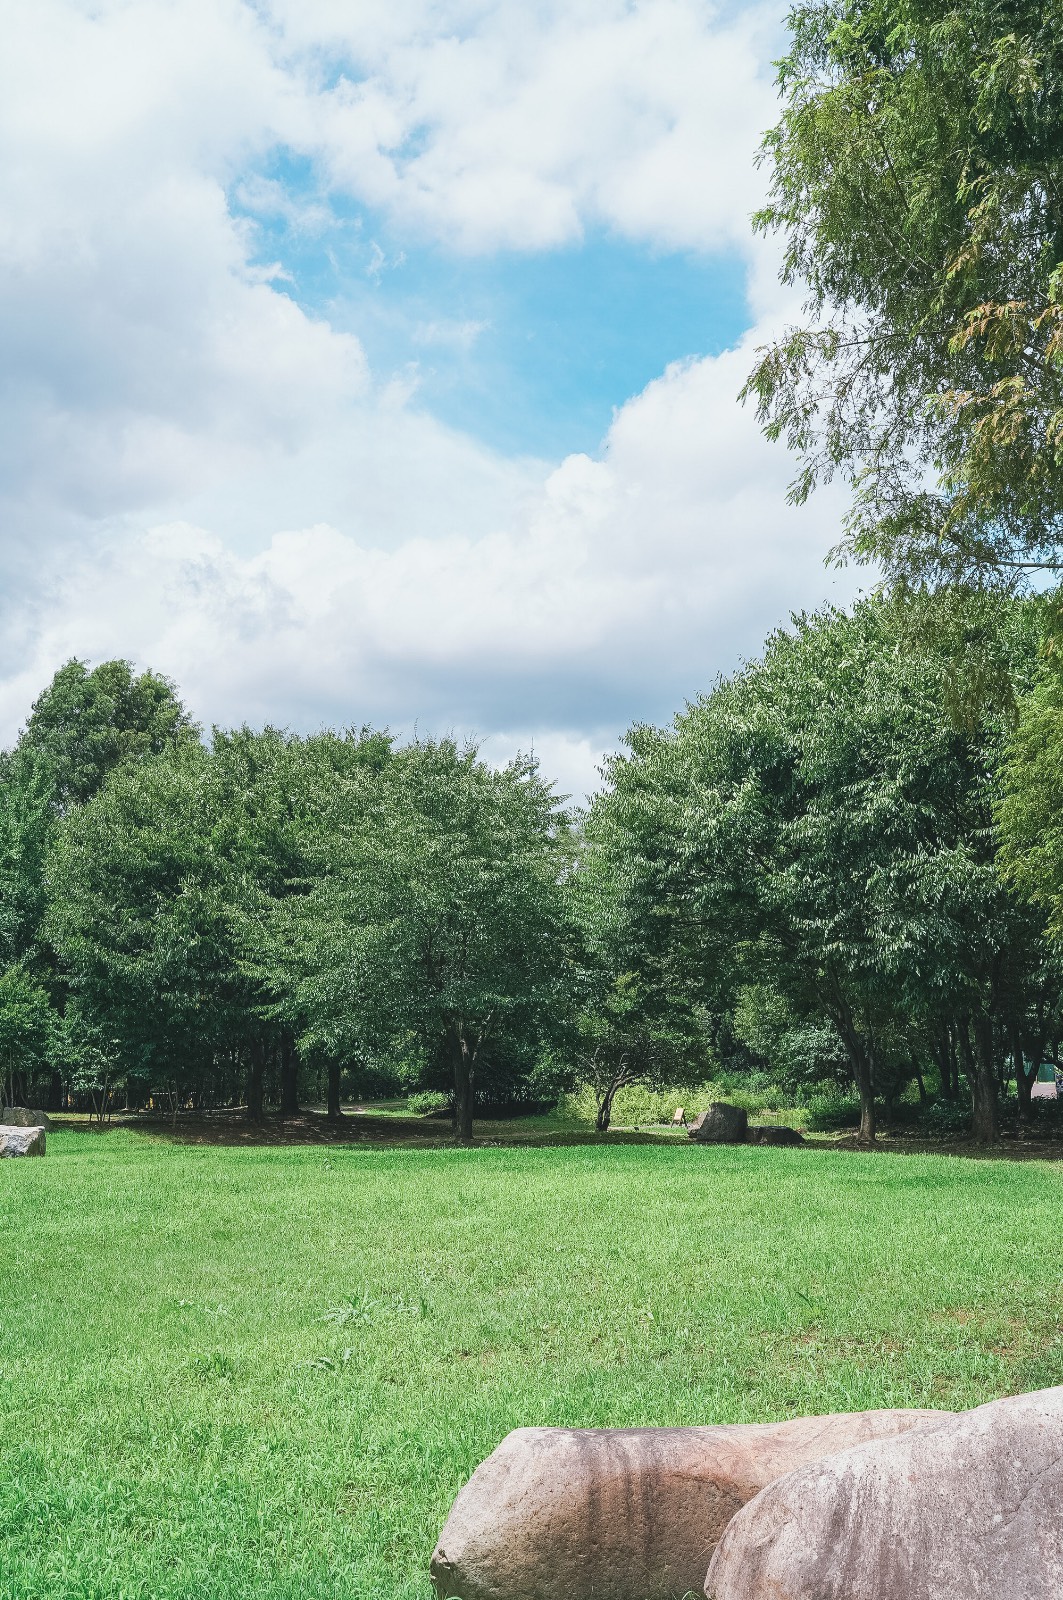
622 1514
720 1124
968 1508
21 1141
22 1117
772 1135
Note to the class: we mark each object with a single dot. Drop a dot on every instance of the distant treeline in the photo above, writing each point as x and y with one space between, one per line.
843 864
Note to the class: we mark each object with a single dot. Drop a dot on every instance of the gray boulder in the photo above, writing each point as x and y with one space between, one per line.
769 1134
966 1508
621 1514
22 1117
22 1141
720 1124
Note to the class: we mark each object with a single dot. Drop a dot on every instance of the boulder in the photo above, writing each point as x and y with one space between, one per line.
22 1141
720 1124
967 1508
621 1514
769 1134
21 1117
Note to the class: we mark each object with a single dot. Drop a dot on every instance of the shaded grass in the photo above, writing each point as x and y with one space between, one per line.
265 1371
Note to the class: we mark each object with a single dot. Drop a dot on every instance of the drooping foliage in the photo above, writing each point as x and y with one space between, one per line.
916 184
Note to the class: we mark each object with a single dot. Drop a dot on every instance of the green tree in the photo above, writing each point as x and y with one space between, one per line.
643 994
85 724
433 918
156 891
27 1029
917 187
824 830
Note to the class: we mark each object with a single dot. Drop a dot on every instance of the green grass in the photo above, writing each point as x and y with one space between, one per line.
180 1420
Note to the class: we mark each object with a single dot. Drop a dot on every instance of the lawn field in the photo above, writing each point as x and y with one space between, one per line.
264 1372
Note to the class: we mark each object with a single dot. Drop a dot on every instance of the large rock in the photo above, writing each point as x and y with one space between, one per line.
622 1514
21 1141
969 1508
720 1124
22 1117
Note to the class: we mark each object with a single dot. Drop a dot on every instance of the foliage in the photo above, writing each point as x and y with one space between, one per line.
797 1049
1029 815
917 186
432 919
815 846
27 1031
87 724
944 1119
828 1113
429 1103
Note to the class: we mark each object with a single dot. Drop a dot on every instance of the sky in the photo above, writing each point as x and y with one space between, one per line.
370 362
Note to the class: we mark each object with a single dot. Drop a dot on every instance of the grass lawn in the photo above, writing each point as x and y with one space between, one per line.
264 1372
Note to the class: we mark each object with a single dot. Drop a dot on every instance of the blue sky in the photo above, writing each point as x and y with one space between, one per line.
381 362
529 351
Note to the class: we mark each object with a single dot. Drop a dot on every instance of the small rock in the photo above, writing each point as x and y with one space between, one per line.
621 1514
22 1141
763 1134
720 1124
967 1508
22 1117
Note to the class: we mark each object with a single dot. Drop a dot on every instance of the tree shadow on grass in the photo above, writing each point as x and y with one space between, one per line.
232 1128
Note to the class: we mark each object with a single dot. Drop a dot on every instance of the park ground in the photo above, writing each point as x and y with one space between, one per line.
263 1370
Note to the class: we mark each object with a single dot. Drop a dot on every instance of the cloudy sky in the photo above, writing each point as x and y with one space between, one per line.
377 360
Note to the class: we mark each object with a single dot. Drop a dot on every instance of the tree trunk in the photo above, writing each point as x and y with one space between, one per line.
984 1083
605 1110
1025 1080
334 1112
943 1061
1024 1093
868 1130
289 1078
860 1067
461 1063
255 1064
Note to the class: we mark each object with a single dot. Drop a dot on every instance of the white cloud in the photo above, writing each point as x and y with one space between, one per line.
519 125
618 589
196 473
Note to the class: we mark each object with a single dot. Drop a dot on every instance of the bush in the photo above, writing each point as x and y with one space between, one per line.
641 1107
946 1119
827 1113
429 1103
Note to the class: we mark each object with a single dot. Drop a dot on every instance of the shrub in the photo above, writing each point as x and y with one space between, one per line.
429 1103
945 1119
826 1113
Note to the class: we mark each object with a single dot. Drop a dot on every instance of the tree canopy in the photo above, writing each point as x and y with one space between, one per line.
916 184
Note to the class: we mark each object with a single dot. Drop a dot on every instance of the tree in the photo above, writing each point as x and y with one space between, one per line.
642 1005
86 724
823 830
433 916
917 185
27 818
621 1044
27 1026
137 914
156 885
